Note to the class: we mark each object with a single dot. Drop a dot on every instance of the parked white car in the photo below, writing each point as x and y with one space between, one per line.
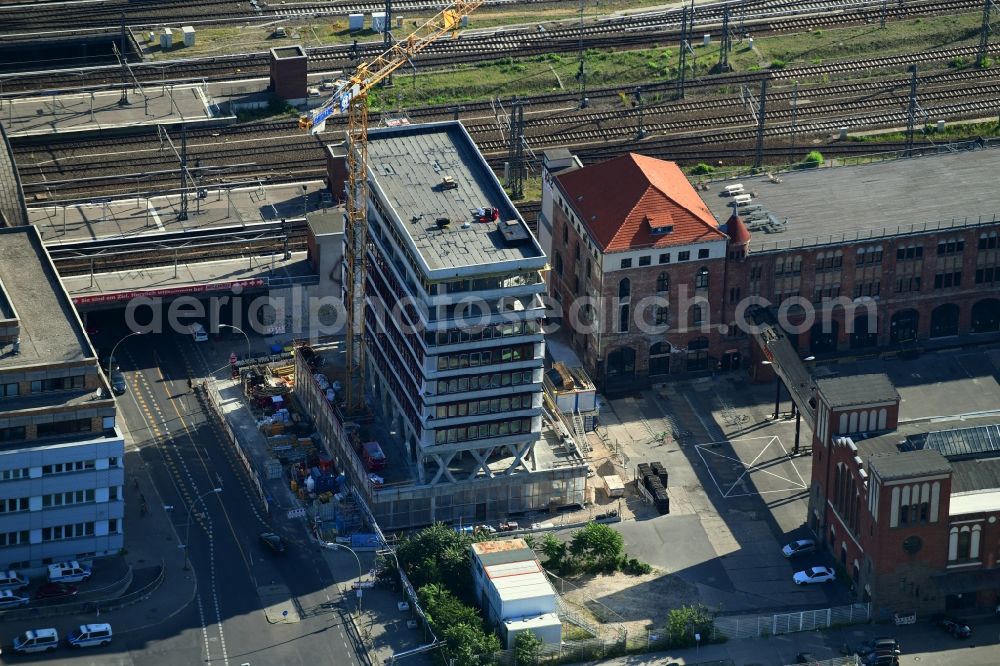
10 600
800 547
68 572
815 575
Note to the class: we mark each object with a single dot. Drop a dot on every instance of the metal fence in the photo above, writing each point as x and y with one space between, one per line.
215 401
756 626
569 652
853 660
92 606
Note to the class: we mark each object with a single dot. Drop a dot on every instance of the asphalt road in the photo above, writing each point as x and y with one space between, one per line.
227 623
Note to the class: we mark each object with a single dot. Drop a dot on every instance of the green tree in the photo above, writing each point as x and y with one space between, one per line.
599 545
444 609
554 551
526 648
684 622
465 643
438 554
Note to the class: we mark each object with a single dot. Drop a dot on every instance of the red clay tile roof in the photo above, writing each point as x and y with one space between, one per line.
737 231
618 199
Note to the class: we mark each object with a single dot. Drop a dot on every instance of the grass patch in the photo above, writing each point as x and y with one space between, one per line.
952 131
811 48
571 632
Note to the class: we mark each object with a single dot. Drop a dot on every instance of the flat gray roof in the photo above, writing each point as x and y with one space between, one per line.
911 463
50 329
858 389
407 165
844 204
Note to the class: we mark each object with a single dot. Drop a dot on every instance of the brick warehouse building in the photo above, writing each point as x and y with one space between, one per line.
909 511
891 254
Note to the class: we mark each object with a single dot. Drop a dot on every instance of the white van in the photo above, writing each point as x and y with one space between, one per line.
198 333
36 640
90 635
12 580
68 572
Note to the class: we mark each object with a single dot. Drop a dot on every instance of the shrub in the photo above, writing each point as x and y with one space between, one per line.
702 169
633 567
813 160
777 64
684 622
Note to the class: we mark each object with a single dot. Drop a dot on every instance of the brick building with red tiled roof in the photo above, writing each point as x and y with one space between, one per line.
652 276
633 235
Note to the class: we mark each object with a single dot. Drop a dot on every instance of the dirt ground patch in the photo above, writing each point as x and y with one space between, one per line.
635 602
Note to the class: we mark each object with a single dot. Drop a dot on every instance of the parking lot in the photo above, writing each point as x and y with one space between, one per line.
737 491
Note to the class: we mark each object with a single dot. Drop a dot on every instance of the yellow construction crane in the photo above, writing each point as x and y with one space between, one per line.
351 97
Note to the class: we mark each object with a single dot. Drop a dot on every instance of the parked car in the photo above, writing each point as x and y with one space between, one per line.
68 572
118 384
12 580
814 575
9 599
52 591
800 547
273 541
90 635
955 627
198 332
36 640
880 647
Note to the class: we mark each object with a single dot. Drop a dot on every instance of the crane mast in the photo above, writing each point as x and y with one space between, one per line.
351 97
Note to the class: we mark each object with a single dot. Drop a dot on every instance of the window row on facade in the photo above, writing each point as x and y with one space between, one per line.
57 533
664 258
51 429
491 406
484 332
14 389
963 543
525 352
68 498
493 380
16 473
915 504
483 431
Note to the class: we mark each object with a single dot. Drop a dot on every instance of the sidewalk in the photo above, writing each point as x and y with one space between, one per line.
151 541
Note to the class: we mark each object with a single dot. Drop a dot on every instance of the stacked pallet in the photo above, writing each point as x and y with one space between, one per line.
654 478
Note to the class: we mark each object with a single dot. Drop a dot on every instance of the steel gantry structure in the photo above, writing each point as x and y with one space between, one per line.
351 97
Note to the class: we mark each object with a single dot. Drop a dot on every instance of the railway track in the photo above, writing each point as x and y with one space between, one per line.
616 33
107 255
270 150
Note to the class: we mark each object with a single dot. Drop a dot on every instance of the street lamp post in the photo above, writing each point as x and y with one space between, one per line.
777 391
237 328
798 415
333 544
111 358
187 531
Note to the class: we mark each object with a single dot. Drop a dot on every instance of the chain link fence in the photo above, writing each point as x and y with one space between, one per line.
758 626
